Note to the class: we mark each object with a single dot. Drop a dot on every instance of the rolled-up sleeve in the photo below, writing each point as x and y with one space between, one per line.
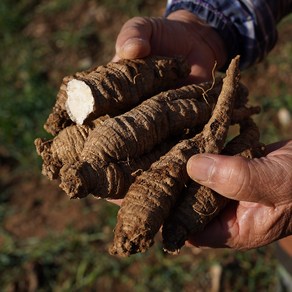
248 28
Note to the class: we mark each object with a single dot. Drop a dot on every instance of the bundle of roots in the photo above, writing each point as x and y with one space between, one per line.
127 129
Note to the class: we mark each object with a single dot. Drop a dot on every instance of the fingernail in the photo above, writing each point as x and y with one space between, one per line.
131 42
116 58
200 168
134 48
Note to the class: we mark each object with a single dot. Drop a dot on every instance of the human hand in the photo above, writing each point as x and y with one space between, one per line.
262 192
181 33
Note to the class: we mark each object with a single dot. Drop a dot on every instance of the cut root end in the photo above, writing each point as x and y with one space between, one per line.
80 102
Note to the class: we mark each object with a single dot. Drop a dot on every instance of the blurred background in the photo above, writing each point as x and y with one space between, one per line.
51 243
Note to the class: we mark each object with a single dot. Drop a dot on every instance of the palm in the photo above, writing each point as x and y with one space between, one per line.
243 225
178 38
168 37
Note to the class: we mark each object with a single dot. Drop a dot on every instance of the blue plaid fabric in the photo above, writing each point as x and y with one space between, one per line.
248 27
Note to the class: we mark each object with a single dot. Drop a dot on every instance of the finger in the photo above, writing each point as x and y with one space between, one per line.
133 40
256 180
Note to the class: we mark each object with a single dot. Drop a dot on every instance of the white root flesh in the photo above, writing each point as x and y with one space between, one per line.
80 102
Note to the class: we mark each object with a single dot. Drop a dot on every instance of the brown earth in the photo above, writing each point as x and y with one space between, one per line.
38 207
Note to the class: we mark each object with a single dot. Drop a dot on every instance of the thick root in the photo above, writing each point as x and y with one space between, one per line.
107 179
119 86
65 148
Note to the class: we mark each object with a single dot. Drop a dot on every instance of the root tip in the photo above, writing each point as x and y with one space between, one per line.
128 244
73 181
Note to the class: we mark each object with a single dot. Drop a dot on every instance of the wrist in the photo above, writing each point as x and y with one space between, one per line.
206 33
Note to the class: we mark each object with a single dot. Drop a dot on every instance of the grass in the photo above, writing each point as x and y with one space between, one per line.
74 262
42 41
24 86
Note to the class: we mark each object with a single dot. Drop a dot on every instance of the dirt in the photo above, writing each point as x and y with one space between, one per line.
38 208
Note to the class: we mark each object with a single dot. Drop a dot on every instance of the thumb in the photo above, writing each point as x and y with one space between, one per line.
133 40
238 178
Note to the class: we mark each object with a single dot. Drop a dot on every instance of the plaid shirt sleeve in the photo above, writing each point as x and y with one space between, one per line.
248 27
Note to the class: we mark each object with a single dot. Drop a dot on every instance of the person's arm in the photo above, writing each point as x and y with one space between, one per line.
247 28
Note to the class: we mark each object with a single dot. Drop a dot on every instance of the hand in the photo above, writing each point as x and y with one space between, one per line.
262 190
182 33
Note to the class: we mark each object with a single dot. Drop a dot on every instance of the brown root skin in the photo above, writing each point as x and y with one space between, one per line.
148 203
107 179
194 216
118 86
63 149
137 131
51 163
57 121
75 182
243 113
153 194
241 96
201 204
129 136
59 118
247 140
137 244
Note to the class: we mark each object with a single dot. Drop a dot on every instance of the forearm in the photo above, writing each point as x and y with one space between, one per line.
247 29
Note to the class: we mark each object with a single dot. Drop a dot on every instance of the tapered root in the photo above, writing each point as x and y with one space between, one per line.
199 204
